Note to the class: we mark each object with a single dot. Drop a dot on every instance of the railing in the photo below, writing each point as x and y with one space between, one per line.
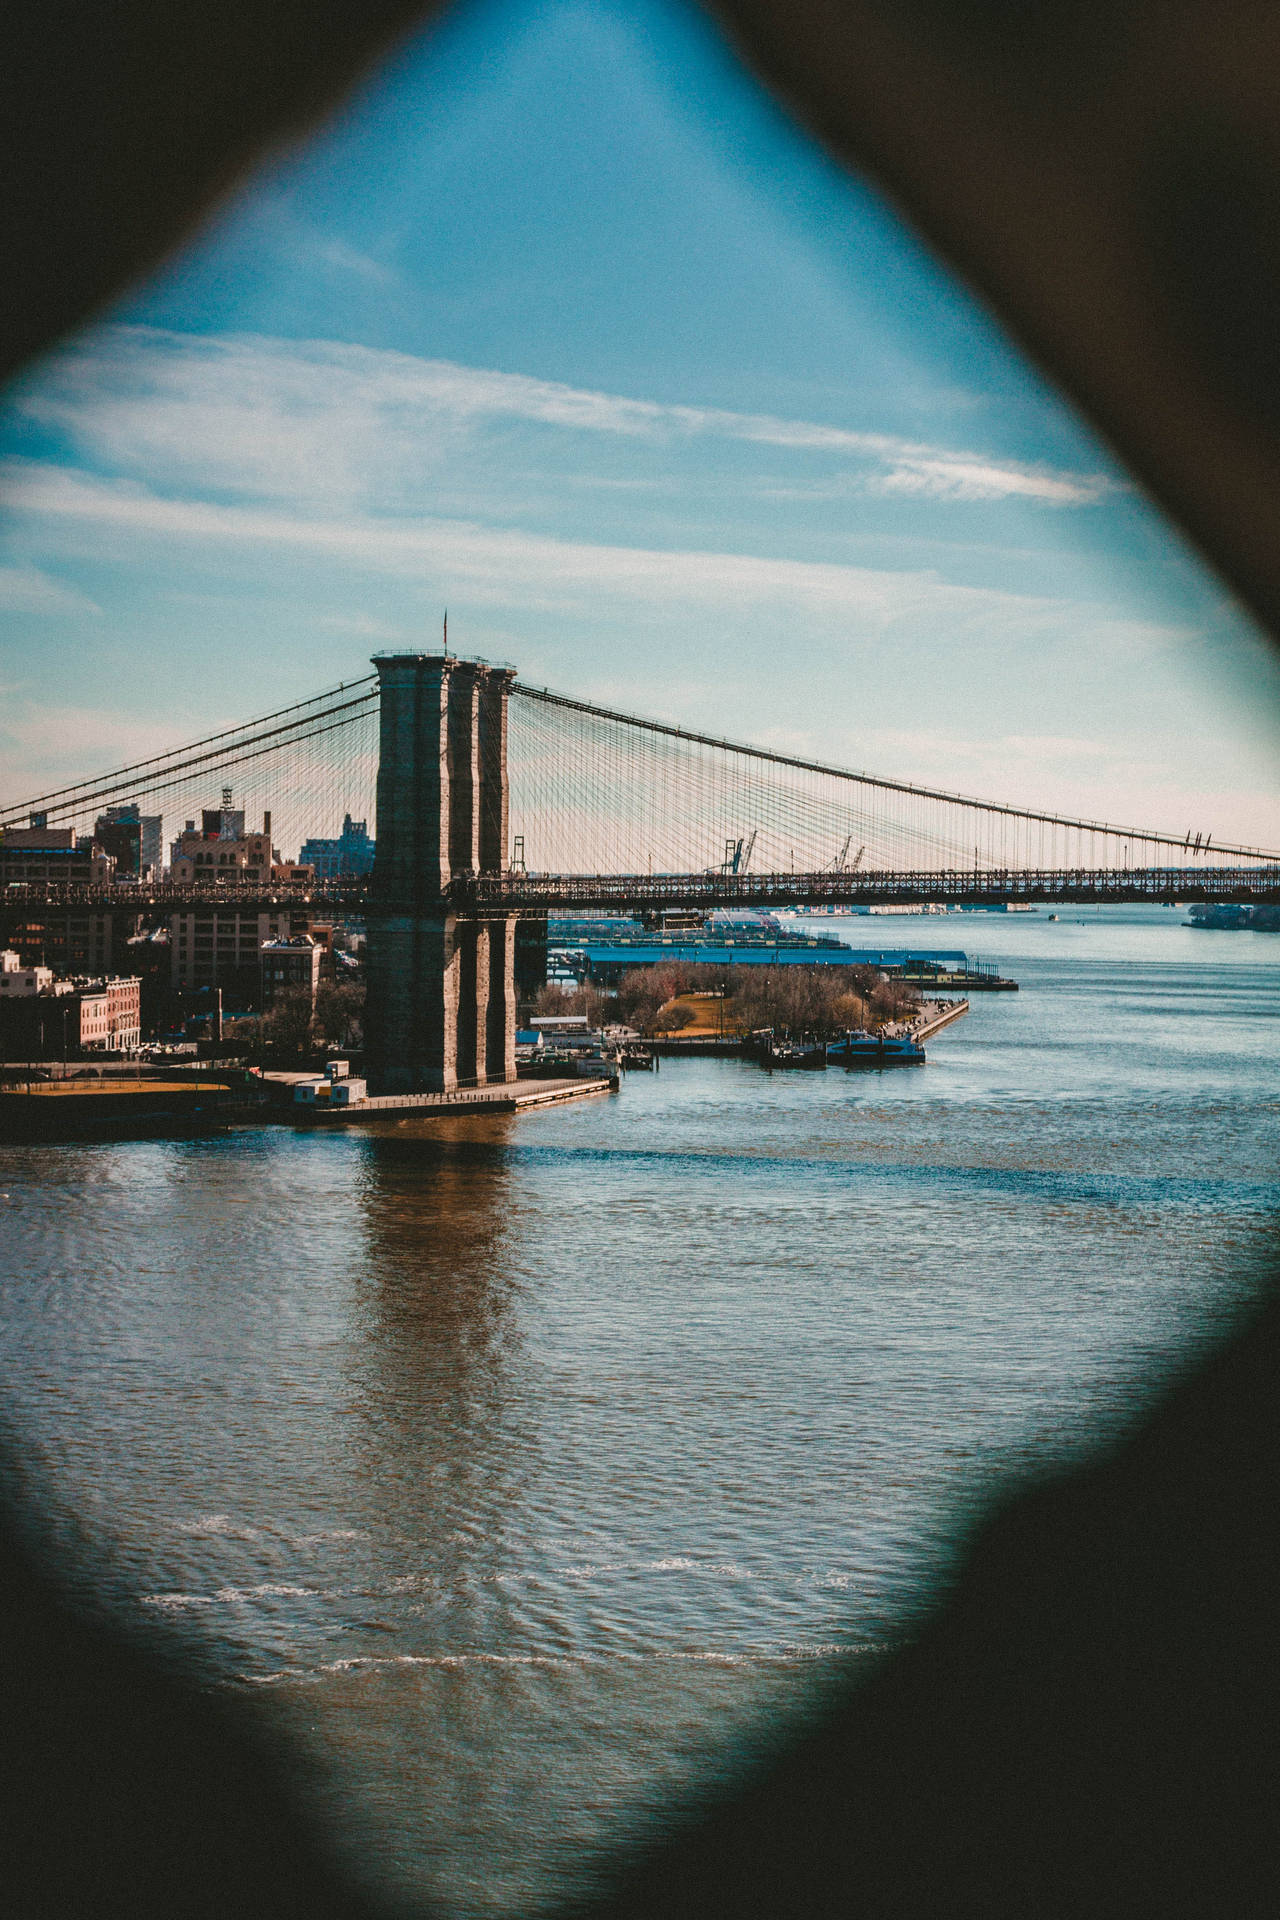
172 896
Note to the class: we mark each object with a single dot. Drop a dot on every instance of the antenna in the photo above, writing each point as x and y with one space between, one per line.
446 633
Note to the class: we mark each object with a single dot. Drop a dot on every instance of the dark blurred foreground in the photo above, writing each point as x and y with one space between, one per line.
1089 1726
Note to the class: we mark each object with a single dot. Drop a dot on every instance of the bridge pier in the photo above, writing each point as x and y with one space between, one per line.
441 988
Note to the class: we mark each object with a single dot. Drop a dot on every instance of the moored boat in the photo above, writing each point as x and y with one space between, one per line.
810 1054
862 1049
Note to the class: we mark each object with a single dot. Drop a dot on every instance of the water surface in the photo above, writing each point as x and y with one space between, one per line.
516 1462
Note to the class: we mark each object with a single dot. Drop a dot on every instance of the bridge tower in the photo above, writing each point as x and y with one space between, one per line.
441 1010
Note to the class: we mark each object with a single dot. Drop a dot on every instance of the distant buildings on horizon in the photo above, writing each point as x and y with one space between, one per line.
205 942
349 856
127 846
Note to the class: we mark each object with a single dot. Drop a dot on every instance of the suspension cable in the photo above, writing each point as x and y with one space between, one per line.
520 689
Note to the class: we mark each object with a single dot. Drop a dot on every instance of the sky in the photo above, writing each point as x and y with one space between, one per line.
563 325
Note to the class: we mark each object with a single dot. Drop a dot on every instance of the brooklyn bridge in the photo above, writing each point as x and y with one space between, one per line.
497 802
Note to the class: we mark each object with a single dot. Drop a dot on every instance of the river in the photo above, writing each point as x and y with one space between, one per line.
517 1464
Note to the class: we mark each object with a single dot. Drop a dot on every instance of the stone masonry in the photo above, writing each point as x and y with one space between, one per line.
441 990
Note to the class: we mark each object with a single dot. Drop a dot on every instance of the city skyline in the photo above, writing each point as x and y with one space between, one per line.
715 441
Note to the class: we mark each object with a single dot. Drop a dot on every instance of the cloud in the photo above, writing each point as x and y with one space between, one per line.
959 477
26 590
361 625
1080 778
311 420
42 743
515 568
344 259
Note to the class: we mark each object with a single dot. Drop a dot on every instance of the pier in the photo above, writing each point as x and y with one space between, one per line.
937 1014
508 1097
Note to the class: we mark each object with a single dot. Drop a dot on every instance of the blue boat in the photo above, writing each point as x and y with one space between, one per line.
859 1049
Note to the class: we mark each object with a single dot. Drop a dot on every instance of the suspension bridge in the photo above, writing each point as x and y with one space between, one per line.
492 801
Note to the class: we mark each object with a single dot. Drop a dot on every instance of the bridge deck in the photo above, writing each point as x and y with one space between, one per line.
492 895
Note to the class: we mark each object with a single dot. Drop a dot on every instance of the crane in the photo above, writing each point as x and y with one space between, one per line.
842 863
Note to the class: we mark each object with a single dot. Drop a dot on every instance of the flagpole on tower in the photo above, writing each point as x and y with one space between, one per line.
446 633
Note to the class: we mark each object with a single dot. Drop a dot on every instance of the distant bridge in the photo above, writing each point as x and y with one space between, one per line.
495 801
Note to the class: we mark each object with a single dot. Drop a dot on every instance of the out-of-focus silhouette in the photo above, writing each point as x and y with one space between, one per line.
1089 1725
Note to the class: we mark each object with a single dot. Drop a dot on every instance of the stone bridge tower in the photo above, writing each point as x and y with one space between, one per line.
441 1009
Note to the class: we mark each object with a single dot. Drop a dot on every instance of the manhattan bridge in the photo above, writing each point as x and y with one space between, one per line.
496 801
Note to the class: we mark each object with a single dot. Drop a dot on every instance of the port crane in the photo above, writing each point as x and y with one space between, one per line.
842 863
737 853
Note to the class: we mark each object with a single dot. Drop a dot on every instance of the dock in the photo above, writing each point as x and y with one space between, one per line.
699 1046
119 1106
137 1108
942 1014
505 1097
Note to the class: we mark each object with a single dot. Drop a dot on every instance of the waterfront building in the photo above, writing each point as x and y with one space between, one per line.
110 1015
605 962
72 1016
350 855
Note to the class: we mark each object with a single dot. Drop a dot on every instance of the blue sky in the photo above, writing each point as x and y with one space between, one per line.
563 325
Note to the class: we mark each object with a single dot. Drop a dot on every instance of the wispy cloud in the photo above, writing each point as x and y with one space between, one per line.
361 626
349 260
27 590
1079 777
42 740
310 420
505 566
945 476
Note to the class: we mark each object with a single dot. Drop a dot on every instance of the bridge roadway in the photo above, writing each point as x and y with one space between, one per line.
155 899
522 893
483 895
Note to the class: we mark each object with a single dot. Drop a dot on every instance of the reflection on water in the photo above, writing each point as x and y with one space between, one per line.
513 1462
441 1434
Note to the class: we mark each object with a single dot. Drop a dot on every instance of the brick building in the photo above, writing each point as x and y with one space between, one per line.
219 946
110 1015
44 856
288 964
72 1017
221 852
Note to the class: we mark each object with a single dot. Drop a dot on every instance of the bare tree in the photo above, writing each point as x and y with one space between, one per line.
340 1013
586 999
287 1025
814 999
